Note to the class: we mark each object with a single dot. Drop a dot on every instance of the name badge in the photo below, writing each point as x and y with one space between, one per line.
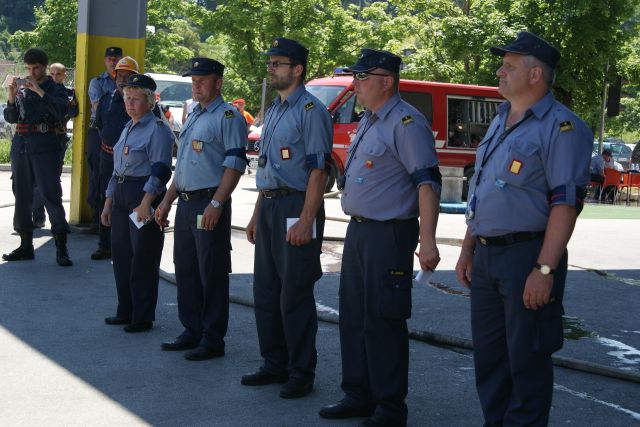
285 153
196 145
126 150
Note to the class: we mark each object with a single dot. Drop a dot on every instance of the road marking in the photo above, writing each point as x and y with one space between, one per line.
582 395
625 353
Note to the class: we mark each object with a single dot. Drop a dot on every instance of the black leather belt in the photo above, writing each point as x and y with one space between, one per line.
198 194
277 192
363 219
36 128
511 238
93 124
125 178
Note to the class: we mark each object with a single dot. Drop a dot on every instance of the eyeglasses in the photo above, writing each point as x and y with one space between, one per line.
276 64
364 75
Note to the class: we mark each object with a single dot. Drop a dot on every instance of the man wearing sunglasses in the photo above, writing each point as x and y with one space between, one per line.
391 179
531 171
288 223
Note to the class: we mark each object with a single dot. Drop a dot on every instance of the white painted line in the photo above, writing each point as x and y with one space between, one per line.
582 395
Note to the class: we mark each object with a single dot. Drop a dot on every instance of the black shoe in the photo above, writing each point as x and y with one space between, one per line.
204 353
295 388
62 254
344 410
382 421
19 254
115 320
178 344
262 377
38 223
101 253
138 327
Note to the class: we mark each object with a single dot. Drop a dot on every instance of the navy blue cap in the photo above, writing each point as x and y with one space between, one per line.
201 66
530 44
113 51
371 58
289 48
142 81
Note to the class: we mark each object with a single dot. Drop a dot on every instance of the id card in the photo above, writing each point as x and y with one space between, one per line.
470 213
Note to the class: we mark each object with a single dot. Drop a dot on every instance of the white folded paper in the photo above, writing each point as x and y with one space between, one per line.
291 221
139 224
423 277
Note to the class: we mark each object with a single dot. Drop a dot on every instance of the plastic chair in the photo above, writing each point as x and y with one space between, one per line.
612 182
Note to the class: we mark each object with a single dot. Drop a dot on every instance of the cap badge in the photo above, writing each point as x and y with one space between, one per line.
275 43
196 64
135 79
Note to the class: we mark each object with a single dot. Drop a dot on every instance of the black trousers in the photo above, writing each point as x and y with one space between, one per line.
39 168
93 161
284 278
203 263
136 254
512 345
375 301
106 170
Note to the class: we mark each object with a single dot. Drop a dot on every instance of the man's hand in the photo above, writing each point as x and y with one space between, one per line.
162 213
105 216
251 230
300 233
210 217
463 268
34 86
429 256
144 212
537 290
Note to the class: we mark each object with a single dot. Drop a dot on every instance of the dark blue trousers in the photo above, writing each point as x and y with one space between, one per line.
41 169
203 263
513 345
136 254
284 277
375 301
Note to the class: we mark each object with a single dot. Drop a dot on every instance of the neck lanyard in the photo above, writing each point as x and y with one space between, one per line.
370 121
487 154
268 127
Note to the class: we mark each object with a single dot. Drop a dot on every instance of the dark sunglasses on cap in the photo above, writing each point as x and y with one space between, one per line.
364 75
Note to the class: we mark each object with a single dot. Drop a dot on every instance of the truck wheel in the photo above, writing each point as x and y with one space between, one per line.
331 180
468 174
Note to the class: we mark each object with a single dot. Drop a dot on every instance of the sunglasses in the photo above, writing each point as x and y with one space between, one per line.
364 75
276 64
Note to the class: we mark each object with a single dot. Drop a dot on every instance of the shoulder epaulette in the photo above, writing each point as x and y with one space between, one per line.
406 120
566 126
308 106
228 114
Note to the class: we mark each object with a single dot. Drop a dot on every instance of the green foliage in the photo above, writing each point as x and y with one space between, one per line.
5 147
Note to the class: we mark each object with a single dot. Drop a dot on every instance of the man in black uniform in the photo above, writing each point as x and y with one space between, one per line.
38 105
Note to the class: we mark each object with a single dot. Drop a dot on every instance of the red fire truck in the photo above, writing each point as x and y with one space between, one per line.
459 116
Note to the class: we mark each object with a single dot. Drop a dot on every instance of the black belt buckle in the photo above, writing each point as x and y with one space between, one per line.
184 196
42 127
359 218
121 179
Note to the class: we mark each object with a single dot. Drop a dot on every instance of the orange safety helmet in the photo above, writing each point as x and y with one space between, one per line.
125 63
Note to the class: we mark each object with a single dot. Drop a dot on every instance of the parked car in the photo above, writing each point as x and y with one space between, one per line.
173 91
620 151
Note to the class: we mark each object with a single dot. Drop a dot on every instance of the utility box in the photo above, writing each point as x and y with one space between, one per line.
452 180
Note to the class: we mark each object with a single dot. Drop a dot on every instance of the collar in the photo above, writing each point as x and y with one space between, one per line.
106 75
386 108
148 117
210 106
294 97
539 109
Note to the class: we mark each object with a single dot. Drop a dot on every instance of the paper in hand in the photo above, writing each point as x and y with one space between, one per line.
291 221
140 224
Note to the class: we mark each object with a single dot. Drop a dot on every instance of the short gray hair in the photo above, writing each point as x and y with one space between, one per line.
151 96
548 73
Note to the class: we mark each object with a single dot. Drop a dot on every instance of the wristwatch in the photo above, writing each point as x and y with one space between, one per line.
216 204
545 270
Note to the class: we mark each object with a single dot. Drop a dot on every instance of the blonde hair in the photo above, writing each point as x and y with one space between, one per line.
151 96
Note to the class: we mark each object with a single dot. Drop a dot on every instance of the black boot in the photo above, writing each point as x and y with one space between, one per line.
24 251
62 255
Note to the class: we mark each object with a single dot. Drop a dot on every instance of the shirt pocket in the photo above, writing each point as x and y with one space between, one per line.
522 165
376 148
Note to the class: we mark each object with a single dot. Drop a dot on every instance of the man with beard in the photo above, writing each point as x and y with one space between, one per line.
288 223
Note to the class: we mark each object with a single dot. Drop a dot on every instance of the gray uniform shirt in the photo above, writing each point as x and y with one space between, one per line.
98 86
297 137
540 163
395 156
212 139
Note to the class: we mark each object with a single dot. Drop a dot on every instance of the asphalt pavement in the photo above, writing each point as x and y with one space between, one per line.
61 365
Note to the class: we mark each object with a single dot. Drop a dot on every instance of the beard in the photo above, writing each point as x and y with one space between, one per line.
282 82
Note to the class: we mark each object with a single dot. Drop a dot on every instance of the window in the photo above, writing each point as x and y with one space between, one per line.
468 120
421 101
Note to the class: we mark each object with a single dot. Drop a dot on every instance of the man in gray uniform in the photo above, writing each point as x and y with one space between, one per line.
288 223
391 178
532 168
211 158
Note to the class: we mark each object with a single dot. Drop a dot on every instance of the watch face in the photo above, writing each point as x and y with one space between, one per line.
216 204
545 269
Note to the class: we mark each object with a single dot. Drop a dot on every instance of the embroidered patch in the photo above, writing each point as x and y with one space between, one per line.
285 153
228 114
566 126
309 106
126 150
196 145
406 120
515 167
368 164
